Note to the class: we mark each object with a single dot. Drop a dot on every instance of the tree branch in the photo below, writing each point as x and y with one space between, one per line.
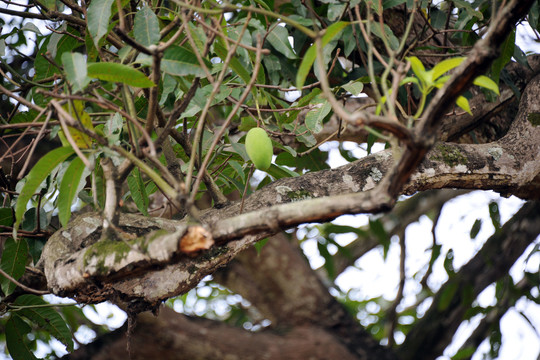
349 189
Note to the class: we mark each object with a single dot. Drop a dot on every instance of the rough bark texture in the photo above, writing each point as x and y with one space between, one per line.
508 165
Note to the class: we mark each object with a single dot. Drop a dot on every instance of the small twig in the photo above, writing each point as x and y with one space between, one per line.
219 135
392 312
8 151
40 134
22 286
64 117
246 187
204 113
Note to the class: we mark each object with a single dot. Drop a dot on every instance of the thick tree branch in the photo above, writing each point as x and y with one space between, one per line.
506 165
179 337
280 283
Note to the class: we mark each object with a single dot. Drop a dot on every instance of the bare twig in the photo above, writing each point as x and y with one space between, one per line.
22 286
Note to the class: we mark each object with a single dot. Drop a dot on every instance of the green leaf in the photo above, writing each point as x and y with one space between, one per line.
354 87
35 177
409 79
309 58
113 128
121 73
278 172
521 57
75 68
31 217
475 229
46 317
146 27
328 260
335 11
446 65
507 51
487 83
419 70
279 39
388 34
13 263
387 4
6 216
180 61
234 64
98 17
494 214
59 45
314 118
69 189
377 228
16 341
447 295
467 6
138 190
465 353
238 169
259 245
463 103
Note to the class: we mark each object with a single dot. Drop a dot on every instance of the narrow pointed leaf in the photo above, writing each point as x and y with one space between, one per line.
507 51
46 317
234 64
39 172
309 58
98 17
418 69
445 66
279 39
315 117
13 263
68 189
138 190
180 61
146 27
16 342
354 87
75 68
6 216
121 73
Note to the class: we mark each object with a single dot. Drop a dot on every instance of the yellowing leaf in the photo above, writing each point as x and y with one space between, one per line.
463 103
76 109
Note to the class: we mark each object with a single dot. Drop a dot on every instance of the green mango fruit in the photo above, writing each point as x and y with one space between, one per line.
259 148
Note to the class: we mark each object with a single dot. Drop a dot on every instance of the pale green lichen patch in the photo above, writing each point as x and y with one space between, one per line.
107 252
376 174
534 119
449 155
298 195
496 152
293 195
104 249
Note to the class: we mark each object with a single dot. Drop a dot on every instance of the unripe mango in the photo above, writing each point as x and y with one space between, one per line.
259 148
